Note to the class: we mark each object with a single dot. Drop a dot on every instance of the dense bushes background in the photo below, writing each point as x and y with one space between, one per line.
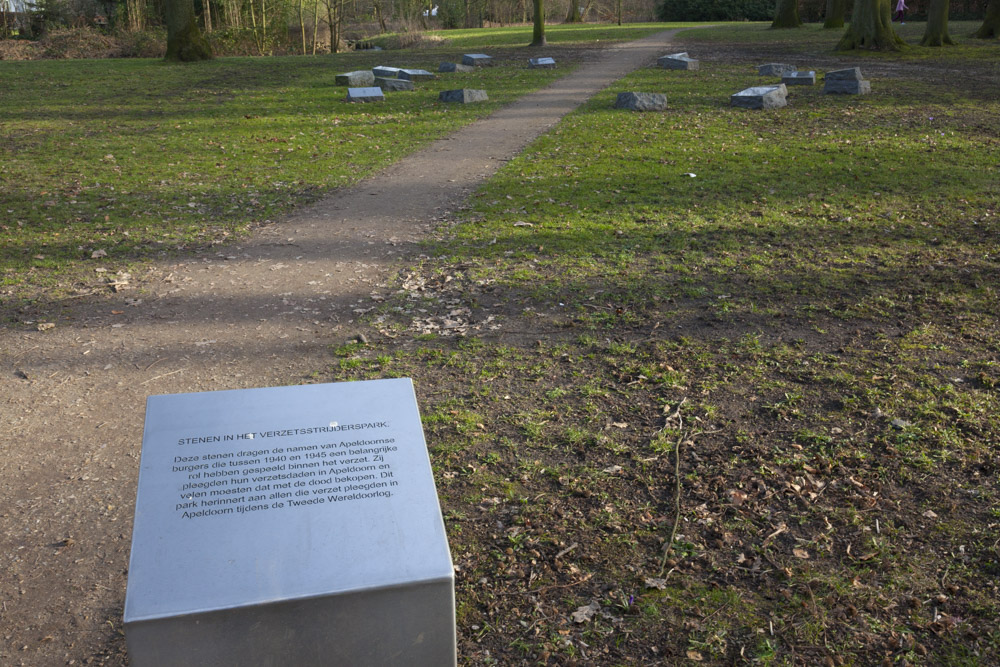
715 10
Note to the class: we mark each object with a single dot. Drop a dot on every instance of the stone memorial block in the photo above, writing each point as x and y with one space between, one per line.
760 97
847 82
357 79
415 75
463 95
387 72
641 101
289 526
775 69
393 85
369 94
541 63
677 61
799 79
455 67
477 59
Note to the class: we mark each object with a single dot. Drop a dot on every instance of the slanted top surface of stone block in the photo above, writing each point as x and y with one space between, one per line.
383 70
849 74
763 90
216 526
366 94
677 61
542 62
412 74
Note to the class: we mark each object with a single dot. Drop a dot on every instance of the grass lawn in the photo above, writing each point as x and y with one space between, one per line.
727 379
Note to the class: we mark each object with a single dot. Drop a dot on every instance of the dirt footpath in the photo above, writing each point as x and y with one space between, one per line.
261 313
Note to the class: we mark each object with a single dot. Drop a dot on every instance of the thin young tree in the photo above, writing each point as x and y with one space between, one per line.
871 28
185 43
991 23
936 33
538 32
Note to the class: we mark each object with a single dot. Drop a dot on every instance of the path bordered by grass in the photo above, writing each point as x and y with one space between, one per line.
802 303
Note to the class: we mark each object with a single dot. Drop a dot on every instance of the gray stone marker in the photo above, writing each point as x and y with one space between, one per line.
760 97
393 85
477 59
847 82
359 78
384 71
541 63
455 67
677 61
463 95
641 101
415 75
289 526
368 94
799 79
775 69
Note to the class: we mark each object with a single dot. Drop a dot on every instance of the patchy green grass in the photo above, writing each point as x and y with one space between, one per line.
133 158
796 308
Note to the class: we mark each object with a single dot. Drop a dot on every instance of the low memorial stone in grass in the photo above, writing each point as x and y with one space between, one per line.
477 59
455 67
463 96
760 97
359 78
641 101
367 94
384 71
541 63
677 61
415 75
393 85
775 69
846 82
799 79
293 525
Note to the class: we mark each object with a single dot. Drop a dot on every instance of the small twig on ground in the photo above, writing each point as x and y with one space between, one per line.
566 551
677 484
161 376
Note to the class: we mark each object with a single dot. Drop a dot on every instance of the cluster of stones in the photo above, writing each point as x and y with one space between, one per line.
677 61
846 82
371 85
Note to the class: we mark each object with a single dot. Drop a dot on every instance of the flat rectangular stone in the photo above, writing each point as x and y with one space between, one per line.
384 71
677 61
359 78
641 101
393 85
367 94
775 69
799 79
849 74
541 63
455 67
848 87
415 75
760 97
477 59
463 96
291 525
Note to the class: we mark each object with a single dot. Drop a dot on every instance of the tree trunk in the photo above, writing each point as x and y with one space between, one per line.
786 14
185 42
302 26
871 28
936 33
835 14
538 34
207 15
573 15
991 24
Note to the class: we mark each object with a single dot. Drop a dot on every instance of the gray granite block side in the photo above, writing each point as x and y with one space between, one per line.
799 79
383 70
641 101
477 59
760 97
356 79
463 95
455 67
775 69
392 85
847 87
